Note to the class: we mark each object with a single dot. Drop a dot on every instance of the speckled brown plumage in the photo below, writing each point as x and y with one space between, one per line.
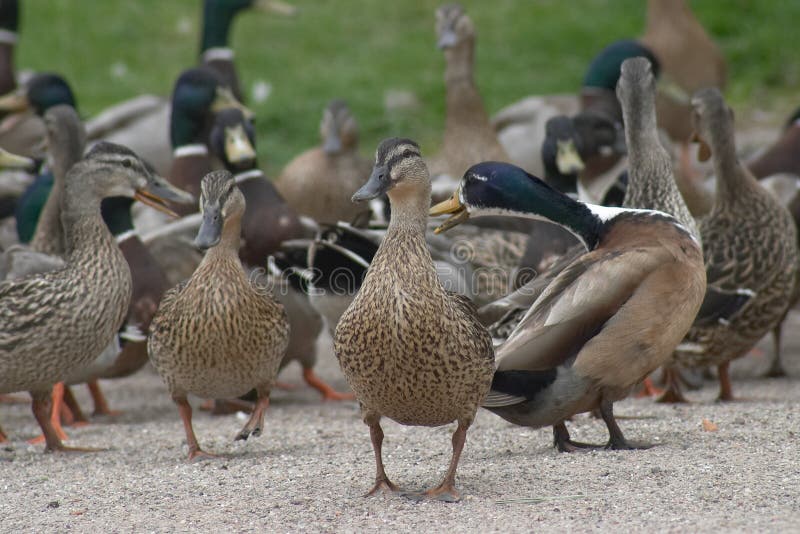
749 243
217 335
55 323
319 182
468 134
410 350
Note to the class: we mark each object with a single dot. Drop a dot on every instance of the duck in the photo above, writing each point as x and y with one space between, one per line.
334 170
599 327
468 133
232 141
410 350
751 251
56 322
9 26
212 342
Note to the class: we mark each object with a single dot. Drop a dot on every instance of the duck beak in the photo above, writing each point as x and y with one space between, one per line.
224 99
453 206
333 144
12 161
238 149
568 160
703 150
14 102
158 191
210 231
448 39
379 183
276 6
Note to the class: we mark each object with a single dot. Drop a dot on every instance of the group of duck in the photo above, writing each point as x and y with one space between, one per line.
665 274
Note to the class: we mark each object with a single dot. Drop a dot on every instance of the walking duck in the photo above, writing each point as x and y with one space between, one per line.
410 350
599 327
750 245
217 335
334 171
56 322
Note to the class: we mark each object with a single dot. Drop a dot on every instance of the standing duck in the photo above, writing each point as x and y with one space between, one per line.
599 327
217 335
750 245
410 350
334 171
54 323
468 133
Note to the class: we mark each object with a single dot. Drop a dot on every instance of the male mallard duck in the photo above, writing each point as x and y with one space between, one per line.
750 245
56 322
410 350
468 134
333 171
599 327
212 342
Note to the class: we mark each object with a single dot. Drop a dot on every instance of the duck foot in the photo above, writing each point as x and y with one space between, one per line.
616 439
286 386
648 389
382 486
185 411
100 402
256 422
328 393
42 407
55 406
563 443
673 393
199 455
11 399
441 493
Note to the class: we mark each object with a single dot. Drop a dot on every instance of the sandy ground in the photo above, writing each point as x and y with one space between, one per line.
309 469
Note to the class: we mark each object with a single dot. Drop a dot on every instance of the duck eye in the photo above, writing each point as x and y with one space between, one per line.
127 163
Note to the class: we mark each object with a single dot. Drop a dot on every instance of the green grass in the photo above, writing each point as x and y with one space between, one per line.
358 49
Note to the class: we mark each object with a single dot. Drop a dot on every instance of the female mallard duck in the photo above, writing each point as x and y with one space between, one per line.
56 322
410 350
215 343
334 171
750 245
599 327
468 134
233 140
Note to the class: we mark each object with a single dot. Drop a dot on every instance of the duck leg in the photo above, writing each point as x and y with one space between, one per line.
42 407
649 389
71 413
776 370
328 393
725 388
256 422
446 491
673 394
185 411
616 440
99 400
56 409
3 436
563 443
382 482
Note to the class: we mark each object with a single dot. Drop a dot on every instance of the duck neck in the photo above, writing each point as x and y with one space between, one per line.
7 80
230 239
49 234
671 13
85 233
461 94
409 209
217 21
732 177
189 164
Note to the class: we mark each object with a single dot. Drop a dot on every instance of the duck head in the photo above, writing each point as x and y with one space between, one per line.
561 153
399 170
65 138
221 203
197 95
338 128
41 92
232 140
453 26
112 170
711 120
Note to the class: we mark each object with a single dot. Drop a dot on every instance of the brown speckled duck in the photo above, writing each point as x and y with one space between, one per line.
750 246
333 171
54 323
217 335
610 318
410 350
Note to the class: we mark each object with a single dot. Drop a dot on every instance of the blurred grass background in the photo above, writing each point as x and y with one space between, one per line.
359 49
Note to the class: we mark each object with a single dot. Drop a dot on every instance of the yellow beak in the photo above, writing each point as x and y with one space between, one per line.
452 205
568 160
238 148
12 161
225 100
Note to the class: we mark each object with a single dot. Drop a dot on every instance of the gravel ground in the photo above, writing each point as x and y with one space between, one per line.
309 469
